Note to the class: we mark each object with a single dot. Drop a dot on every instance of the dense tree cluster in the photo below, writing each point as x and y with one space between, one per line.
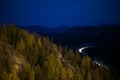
25 56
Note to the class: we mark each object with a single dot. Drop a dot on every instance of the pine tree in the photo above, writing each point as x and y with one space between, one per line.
5 76
31 75
20 46
13 76
69 74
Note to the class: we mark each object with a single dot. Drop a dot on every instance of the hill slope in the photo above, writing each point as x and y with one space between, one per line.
25 56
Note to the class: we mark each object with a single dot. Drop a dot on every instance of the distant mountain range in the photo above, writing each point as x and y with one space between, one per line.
105 33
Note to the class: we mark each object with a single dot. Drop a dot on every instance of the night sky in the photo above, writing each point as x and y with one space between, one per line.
59 12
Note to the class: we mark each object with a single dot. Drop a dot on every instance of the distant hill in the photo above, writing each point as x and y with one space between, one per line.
104 33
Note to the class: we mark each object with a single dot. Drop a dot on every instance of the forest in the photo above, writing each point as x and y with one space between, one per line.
29 56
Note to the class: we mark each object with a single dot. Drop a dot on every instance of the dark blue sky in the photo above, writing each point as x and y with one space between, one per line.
59 12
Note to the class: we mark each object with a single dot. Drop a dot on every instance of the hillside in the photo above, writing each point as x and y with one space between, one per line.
27 56
105 38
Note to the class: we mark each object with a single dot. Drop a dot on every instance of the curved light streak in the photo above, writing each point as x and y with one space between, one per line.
81 49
